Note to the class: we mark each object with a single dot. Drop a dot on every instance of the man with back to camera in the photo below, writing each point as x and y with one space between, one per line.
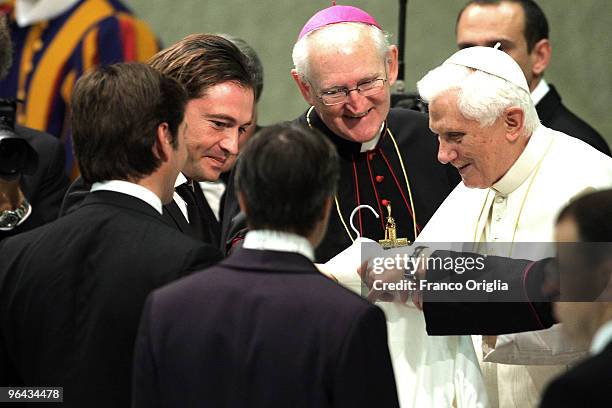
264 327
522 29
71 292
344 68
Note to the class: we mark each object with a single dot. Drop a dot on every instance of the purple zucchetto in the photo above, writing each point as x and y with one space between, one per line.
337 14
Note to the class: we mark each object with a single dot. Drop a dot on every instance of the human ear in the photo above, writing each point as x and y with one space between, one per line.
304 87
391 59
514 122
540 57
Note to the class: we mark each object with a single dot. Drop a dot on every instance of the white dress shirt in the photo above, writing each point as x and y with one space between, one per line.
132 189
602 338
278 241
182 205
540 91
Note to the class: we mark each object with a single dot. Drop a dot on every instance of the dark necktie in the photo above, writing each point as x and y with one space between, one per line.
195 219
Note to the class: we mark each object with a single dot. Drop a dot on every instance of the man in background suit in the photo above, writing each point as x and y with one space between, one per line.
522 29
265 328
220 89
71 292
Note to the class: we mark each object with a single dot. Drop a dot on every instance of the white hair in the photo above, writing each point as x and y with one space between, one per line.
340 36
481 96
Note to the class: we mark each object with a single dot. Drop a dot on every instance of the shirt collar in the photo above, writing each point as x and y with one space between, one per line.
278 241
534 152
344 146
132 189
180 179
540 91
367 146
602 338
29 12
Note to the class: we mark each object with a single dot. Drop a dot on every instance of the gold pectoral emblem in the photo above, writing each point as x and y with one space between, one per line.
391 240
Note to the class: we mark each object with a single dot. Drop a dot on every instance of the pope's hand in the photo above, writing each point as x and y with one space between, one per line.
378 282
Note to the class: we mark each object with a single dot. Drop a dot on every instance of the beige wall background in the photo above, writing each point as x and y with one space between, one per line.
581 35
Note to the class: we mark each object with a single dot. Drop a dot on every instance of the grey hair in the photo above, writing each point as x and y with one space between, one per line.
337 35
482 96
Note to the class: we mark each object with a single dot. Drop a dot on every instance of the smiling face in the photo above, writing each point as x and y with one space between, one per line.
331 67
215 122
481 154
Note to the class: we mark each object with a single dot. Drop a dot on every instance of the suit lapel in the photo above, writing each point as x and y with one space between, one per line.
175 218
548 105
212 228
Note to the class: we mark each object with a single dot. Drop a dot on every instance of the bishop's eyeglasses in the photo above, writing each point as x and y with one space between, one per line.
340 95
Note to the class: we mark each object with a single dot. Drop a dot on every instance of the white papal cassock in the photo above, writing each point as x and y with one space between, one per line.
434 371
521 207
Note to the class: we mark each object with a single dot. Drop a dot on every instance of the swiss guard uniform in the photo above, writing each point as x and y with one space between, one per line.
50 55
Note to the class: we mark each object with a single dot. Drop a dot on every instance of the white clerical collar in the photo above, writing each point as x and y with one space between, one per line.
278 241
28 12
534 152
602 338
540 91
132 189
367 146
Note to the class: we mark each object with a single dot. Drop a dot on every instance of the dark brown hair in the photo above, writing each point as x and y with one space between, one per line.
116 111
286 173
200 61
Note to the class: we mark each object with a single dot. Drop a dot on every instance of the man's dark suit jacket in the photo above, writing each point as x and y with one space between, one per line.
46 187
72 292
555 115
172 214
589 384
261 329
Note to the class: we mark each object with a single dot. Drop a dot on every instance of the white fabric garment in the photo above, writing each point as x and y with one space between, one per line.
28 12
540 91
602 338
182 205
367 146
132 189
430 371
522 207
213 191
278 241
